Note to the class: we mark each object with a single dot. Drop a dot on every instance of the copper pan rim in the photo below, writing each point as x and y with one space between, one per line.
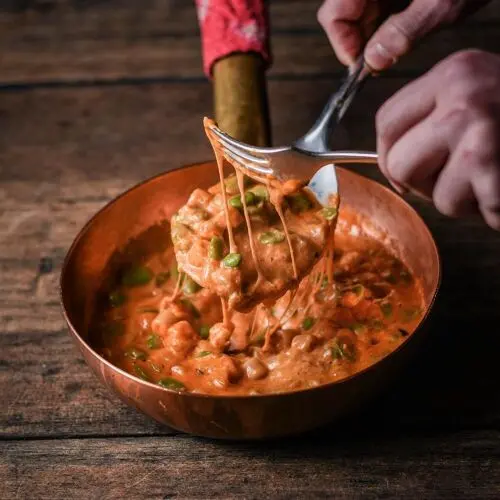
184 394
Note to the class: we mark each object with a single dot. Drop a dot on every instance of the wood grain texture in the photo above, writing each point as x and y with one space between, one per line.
87 42
339 465
65 152
96 96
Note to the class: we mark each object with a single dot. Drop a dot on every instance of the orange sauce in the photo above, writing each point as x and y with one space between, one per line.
255 296
373 304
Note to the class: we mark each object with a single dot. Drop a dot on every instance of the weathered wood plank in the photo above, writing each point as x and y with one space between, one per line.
129 19
159 40
335 465
436 392
66 152
49 391
300 56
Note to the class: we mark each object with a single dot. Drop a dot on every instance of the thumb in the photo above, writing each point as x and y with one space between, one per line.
398 33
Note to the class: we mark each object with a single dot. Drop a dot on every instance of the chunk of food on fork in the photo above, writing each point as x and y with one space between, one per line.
249 238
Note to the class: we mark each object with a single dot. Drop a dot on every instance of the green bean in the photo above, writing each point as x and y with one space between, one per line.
190 286
191 308
162 278
153 341
204 332
216 248
141 373
329 213
231 183
117 298
236 202
134 354
308 323
343 351
260 191
172 383
202 354
137 276
272 237
386 308
299 202
232 260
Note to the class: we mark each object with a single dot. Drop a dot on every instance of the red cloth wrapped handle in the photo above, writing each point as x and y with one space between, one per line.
229 26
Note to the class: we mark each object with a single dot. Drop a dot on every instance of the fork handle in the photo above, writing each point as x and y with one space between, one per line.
240 98
317 138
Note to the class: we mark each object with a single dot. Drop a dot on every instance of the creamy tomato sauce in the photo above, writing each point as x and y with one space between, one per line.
250 240
255 295
243 275
321 332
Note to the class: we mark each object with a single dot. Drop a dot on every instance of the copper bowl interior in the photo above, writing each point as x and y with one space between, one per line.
147 207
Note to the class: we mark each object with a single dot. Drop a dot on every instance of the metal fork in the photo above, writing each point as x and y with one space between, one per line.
309 153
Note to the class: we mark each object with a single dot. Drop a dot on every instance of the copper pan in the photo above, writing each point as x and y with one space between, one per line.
149 204
139 215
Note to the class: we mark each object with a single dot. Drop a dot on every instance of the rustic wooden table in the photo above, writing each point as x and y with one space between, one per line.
96 96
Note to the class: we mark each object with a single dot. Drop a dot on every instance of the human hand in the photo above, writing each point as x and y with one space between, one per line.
439 136
350 23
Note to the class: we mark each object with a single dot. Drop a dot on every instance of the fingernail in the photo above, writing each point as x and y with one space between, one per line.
399 188
378 57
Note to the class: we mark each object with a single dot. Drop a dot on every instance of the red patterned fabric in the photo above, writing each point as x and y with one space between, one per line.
229 26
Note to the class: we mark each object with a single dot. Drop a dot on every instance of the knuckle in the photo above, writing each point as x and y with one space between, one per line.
471 98
461 66
451 119
478 147
459 116
404 36
446 10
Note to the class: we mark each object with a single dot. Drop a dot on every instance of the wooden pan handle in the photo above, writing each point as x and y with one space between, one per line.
240 98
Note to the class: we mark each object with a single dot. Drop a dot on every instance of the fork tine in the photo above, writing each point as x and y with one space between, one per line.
228 141
242 159
246 155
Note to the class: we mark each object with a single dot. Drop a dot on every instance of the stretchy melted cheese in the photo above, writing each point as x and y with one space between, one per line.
263 302
250 242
